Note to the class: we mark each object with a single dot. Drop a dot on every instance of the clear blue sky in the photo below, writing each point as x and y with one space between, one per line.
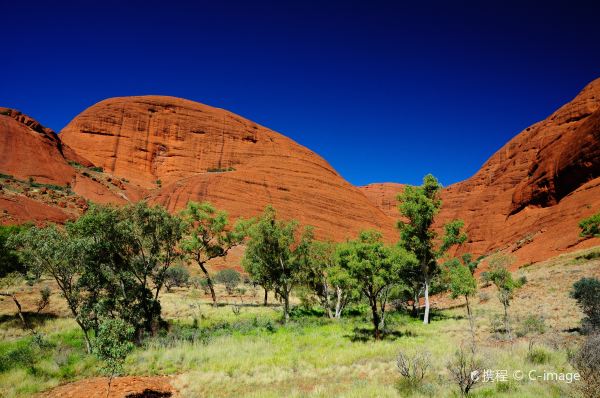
385 91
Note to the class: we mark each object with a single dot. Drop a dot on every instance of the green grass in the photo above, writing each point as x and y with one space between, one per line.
217 352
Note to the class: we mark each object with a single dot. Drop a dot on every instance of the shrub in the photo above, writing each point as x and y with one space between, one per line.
532 324
44 299
464 370
588 256
587 363
230 278
538 355
177 276
587 293
413 367
112 344
97 169
590 226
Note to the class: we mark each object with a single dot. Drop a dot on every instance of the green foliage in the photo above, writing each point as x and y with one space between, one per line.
277 253
590 226
419 205
461 281
113 343
97 169
587 293
327 280
209 236
588 256
44 299
532 324
9 259
219 170
374 268
109 263
230 278
176 276
501 277
538 355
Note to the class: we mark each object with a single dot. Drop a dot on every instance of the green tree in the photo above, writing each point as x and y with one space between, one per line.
419 206
51 251
587 293
462 283
112 344
501 277
374 269
229 278
209 236
156 234
324 277
176 276
123 256
590 226
12 269
277 253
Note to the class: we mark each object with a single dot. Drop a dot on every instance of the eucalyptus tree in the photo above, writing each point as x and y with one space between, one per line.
209 236
374 269
277 252
419 206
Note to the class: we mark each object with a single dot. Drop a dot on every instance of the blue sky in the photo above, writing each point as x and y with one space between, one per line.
385 91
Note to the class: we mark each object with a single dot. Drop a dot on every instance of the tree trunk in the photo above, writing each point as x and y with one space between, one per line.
266 297
286 307
210 283
376 319
19 309
470 315
338 302
426 293
326 302
506 323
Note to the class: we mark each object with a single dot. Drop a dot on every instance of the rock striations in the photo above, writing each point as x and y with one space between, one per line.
186 151
529 196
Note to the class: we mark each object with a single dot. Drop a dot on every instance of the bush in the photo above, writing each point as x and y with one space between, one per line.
588 256
538 355
462 368
413 368
532 324
112 344
230 278
587 363
44 299
97 169
177 276
590 226
587 293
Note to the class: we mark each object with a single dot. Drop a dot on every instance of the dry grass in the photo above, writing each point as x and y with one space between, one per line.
248 354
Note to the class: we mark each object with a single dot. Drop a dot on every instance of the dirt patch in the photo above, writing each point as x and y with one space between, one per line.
121 387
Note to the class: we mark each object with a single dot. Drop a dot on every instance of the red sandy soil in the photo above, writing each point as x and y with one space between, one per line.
121 387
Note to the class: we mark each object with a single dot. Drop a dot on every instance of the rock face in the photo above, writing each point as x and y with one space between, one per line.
383 195
60 178
31 150
202 153
528 197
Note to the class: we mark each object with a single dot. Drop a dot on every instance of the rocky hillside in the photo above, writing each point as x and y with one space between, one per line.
183 151
529 196
43 179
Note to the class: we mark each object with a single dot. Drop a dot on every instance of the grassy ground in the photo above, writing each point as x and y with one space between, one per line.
244 351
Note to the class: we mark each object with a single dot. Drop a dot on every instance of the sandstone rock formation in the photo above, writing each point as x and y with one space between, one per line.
189 151
43 179
528 197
